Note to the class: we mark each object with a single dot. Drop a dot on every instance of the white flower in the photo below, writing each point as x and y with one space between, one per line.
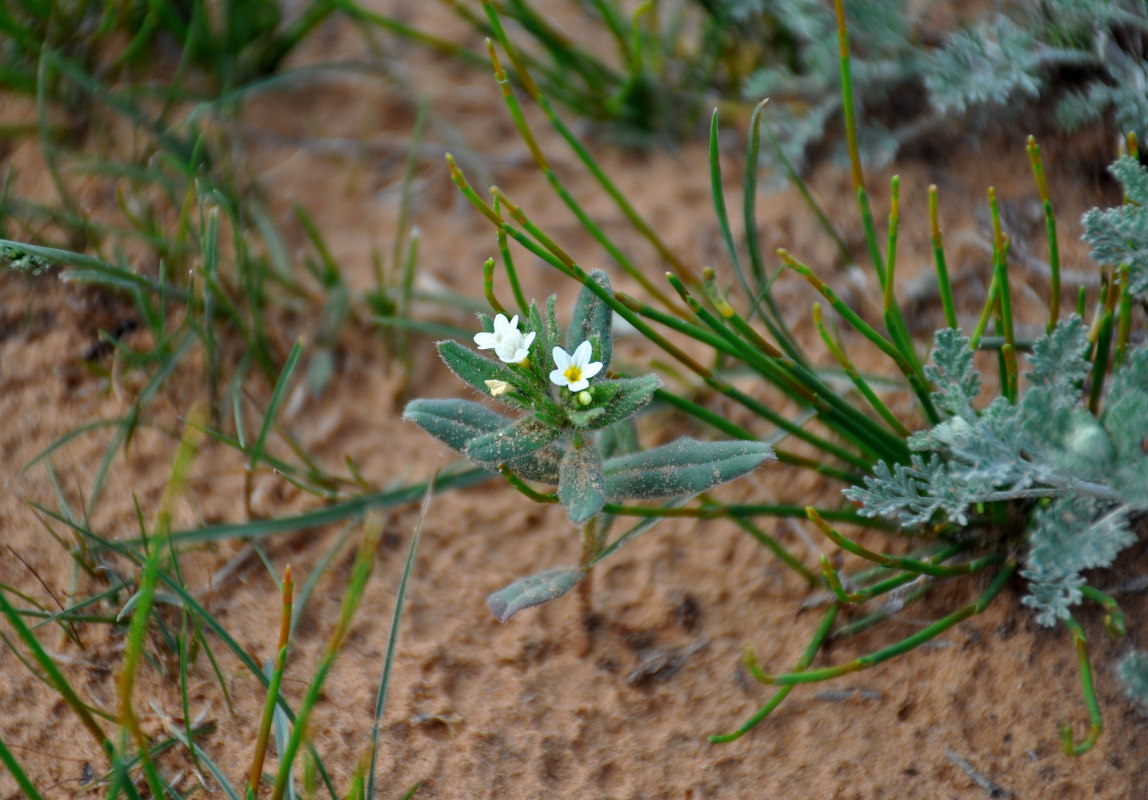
507 341
574 371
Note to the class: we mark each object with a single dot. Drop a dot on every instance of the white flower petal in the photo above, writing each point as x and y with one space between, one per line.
583 353
485 340
591 369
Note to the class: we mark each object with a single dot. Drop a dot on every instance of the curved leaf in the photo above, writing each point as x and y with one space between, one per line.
532 591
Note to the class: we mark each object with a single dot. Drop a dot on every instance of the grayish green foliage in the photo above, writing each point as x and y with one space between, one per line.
1089 474
456 422
581 485
1120 235
1133 670
685 466
532 591
997 66
590 321
552 444
987 64
519 438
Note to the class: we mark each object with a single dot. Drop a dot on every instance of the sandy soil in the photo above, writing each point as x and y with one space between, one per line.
483 710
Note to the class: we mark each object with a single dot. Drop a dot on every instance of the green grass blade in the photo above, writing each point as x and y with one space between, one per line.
53 674
277 395
14 769
393 638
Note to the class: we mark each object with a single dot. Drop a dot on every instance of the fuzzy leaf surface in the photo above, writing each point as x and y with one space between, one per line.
520 438
532 591
590 321
454 422
581 485
629 396
686 466
476 369
957 383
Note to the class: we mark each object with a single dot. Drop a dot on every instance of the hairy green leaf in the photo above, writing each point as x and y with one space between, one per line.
686 466
532 591
454 422
518 439
581 485
590 321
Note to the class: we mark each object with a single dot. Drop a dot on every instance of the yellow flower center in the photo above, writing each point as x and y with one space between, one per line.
573 373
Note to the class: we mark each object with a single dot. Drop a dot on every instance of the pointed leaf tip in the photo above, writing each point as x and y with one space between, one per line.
532 591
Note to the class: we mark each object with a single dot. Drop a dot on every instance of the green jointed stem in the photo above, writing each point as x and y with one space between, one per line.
508 263
1100 361
905 645
488 286
900 562
592 227
851 140
583 154
861 624
684 327
1095 719
834 581
862 385
703 414
894 321
719 302
943 282
806 659
734 511
1124 327
1050 226
1114 621
920 388
1004 294
986 311
460 181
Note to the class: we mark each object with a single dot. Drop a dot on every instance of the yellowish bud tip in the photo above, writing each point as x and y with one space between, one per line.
498 388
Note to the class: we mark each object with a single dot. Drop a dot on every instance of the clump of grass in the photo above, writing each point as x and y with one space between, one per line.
192 251
1047 482
147 572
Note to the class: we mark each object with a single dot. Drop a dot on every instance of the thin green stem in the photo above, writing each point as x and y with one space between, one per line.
819 637
943 282
852 141
862 385
1096 721
1114 621
905 645
900 562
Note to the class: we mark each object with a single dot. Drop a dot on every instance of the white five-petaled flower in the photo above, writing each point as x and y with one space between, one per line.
507 341
574 370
